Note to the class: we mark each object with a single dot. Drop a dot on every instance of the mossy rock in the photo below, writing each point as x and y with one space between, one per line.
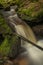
6 3
6 45
31 12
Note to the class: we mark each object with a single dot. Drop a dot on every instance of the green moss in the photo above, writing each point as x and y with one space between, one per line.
31 12
6 3
6 45
3 25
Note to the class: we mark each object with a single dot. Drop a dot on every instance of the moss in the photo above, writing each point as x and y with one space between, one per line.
6 45
6 3
4 28
31 12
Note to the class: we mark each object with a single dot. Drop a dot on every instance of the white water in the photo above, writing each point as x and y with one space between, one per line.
36 55
22 28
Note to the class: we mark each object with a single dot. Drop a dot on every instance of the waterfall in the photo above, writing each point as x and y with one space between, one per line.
35 54
21 28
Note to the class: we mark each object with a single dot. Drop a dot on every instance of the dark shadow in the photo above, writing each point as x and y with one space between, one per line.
1 38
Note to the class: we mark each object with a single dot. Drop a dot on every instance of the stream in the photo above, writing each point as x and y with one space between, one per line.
21 28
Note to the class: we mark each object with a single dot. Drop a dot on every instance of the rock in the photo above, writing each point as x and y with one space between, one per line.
38 30
31 11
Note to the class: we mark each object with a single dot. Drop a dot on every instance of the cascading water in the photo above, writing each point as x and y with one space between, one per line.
35 54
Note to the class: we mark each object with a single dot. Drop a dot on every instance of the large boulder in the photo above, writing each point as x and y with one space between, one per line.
31 10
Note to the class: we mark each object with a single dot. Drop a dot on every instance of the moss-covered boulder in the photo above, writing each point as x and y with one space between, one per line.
6 46
31 11
5 3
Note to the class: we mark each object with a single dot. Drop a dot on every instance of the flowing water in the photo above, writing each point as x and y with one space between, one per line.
36 55
21 28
